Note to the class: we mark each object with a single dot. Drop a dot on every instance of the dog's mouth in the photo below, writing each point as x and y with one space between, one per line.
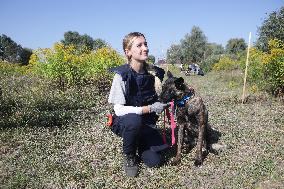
179 95
165 98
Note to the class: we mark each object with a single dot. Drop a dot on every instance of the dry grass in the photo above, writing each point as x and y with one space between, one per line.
85 154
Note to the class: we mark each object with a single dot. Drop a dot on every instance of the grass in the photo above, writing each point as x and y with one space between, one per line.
84 153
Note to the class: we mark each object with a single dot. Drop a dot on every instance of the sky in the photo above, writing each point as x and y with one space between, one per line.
39 23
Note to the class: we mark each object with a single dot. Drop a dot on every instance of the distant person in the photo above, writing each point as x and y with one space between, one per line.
181 67
136 103
194 69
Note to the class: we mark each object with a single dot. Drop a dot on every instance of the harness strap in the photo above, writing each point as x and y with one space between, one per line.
182 102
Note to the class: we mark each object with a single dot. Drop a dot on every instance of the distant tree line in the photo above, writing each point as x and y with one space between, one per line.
194 47
83 41
12 52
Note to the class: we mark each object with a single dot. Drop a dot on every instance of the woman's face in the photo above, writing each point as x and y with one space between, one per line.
139 49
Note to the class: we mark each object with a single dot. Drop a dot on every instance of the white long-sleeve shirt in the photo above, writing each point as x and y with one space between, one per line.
117 98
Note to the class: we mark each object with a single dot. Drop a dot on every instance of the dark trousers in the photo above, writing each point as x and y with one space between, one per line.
138 135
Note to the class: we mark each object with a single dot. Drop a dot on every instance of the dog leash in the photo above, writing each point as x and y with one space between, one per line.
171 117
173 123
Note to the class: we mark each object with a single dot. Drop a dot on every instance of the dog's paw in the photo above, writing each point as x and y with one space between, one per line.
175 161
198 162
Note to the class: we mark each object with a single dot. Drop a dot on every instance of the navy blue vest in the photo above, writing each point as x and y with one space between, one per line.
140 88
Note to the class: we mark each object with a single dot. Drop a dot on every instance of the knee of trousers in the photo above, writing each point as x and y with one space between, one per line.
151 159
132 122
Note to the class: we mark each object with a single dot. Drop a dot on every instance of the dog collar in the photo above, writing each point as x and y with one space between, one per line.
181 102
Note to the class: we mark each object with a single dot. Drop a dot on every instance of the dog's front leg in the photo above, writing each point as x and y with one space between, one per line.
201 133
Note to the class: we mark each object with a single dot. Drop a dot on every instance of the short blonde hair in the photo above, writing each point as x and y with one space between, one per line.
128 41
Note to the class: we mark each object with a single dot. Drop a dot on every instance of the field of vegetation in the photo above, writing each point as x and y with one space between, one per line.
67 144
53 107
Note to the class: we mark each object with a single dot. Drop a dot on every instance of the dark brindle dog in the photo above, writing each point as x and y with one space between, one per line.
191 114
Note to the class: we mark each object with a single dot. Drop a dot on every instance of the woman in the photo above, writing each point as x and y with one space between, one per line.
136 103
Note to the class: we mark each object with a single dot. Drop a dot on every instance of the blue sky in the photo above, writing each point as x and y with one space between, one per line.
39 24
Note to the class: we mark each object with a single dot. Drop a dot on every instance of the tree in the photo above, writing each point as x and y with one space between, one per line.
10 50
212 55
25 55
272 27
235 46
213 49
1 50
79 41
98 44
82 41
193 45
151 59
174 54
87 41
71 38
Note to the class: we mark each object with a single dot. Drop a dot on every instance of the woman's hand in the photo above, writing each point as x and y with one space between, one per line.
157 107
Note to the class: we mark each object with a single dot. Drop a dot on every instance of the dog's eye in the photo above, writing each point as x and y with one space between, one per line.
180 86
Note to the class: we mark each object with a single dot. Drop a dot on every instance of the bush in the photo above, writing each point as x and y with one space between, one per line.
28 99
266 70
225 63
32 101
255 68
67 67
11 69
209 62
274 67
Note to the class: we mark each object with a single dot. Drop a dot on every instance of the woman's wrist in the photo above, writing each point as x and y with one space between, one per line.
145 109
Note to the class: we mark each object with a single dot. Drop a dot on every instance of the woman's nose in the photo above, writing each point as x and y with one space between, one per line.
145 48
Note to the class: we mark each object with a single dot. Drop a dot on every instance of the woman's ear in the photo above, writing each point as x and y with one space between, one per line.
127 52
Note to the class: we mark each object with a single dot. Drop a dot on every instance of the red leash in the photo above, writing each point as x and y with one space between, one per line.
171 118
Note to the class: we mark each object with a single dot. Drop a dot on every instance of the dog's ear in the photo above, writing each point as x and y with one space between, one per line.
180 80
169 74
179 83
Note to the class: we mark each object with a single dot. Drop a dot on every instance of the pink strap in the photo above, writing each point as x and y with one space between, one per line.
173 123
171 118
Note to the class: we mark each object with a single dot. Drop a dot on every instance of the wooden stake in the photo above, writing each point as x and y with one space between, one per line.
246 70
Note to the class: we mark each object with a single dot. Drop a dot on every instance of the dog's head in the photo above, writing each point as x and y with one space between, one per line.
173 88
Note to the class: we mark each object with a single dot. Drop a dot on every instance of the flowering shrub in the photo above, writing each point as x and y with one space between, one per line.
266 70
11 69
255 68
273 63
67 66
225 63
98 63
208 63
